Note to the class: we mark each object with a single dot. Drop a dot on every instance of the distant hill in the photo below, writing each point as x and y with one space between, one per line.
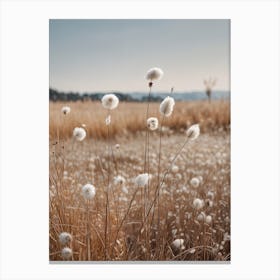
55 95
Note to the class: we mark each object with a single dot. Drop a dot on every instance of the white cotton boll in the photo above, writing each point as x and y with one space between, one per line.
124 199
144 250
65 110
226 236
195 182
88 191
65 238
201 217
200 178
178 245
66 253
124 190
179 176
174 168
208 219
79 133
198 203
110 101
166 106
119 180
117 146
193 132
210 195
108 120
192 251
154 74
142 180
152 123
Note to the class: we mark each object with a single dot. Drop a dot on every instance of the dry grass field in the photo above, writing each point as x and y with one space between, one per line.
182 214
130 118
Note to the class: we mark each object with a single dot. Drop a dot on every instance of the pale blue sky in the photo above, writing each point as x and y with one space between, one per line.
106 55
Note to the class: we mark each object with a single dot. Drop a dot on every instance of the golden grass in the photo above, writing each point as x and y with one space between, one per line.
77 164
130 117
131 234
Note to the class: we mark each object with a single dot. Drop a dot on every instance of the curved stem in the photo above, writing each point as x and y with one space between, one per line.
123 219
159 186
158 180
147 131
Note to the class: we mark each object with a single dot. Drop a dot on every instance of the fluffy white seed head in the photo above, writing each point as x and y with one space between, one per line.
152 123
210 194
178 244
142 180
110 101
198 203
195 182
108 120
226 236
79 133
65 238
166 106
117 146
174 168
119 180
192 251
65 110
66 253
193 132
200 178
125 190
154 74
201 217
208 219
88 191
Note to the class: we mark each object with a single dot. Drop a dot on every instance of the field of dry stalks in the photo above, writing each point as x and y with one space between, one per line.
182 214
130 117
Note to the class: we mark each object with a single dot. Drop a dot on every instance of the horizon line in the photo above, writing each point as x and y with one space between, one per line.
136 91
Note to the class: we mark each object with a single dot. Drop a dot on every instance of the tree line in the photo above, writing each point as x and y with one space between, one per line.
55 95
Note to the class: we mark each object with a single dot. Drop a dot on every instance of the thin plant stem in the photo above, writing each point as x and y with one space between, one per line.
158 179
114 160
147 130
146 156
159 186
125 216
107 193
88 231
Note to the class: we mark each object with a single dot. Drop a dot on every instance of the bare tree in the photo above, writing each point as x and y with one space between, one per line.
209 84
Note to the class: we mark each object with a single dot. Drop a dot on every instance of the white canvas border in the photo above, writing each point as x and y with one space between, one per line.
255 138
